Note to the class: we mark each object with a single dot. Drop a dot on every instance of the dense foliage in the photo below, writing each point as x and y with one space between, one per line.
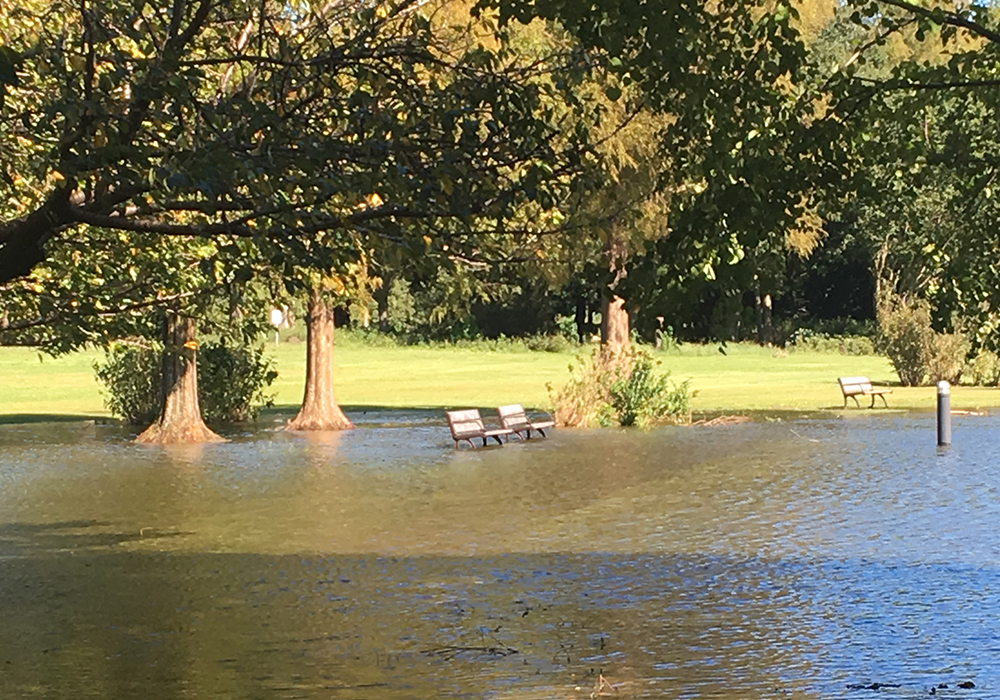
130 375
232 385
626 391
449 170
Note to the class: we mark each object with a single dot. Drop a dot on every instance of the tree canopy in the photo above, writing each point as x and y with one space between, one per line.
273 122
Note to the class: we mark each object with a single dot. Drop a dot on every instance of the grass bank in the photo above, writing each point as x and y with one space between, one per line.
745 379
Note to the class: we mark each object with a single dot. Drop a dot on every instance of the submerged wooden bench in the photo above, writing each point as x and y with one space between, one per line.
853 387
515 419
468 424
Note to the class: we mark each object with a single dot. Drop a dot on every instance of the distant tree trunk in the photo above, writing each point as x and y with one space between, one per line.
614 316
765 323
319 407
382 301
614 325
180 417
581 318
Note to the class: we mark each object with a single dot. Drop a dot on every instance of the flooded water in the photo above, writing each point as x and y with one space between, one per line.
810 559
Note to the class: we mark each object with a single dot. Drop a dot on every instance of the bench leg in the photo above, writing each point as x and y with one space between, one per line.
881 396
542 432
855 402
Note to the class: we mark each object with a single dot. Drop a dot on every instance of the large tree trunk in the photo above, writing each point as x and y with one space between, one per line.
180 418
319 407
615 325
614 316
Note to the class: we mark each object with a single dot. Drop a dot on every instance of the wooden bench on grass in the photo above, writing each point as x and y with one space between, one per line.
468 425
853 387
515 419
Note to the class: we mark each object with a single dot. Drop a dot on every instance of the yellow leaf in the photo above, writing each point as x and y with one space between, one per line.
58 175
381 12
191 345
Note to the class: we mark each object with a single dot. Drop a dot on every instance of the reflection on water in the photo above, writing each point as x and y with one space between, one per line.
762 560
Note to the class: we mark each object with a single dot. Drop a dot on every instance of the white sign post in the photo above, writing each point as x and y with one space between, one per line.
277 318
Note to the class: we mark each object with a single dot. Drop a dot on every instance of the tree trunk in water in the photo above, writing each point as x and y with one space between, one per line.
180 418
319 407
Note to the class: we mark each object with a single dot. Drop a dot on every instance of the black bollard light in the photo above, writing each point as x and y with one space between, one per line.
943 414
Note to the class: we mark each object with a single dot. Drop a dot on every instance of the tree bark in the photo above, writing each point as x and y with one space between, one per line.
765 323
581 319
614 316
180 417
382 301
319 407
22 241
615 325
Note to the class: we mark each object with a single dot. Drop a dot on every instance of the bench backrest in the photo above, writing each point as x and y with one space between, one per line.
465 423
854 385
512 416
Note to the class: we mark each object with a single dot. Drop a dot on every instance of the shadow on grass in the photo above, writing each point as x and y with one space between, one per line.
31 418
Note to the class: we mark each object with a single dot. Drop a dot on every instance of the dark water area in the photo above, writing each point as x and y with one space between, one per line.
794 559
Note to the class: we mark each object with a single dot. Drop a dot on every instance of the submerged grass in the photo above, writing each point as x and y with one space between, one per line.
744 379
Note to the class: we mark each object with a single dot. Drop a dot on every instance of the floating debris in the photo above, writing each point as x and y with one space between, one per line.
871 686
722 421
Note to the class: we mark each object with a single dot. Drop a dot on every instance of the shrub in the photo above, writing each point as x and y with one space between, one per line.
907 338
548 343
131 377
855 345
983 369
947 360
231 382
640 396
603 390
915 349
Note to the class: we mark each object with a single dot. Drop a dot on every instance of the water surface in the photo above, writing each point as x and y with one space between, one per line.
787 559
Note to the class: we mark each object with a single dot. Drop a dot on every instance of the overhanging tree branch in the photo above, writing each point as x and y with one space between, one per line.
940 15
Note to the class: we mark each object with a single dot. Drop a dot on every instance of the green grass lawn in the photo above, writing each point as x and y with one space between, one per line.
747 378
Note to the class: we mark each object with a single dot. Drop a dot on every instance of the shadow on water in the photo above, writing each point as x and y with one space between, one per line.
156 625
786 559
71 536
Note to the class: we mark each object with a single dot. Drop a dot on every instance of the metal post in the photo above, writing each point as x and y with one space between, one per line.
943 414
